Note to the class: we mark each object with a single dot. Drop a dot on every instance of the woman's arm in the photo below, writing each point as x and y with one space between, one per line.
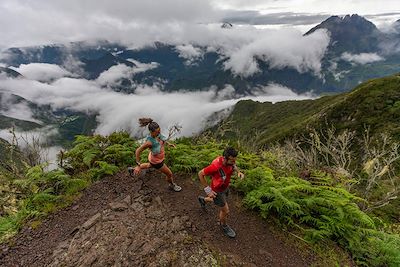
139 150
170 144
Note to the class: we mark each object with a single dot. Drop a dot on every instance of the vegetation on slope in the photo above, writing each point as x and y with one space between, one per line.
319 206
374 104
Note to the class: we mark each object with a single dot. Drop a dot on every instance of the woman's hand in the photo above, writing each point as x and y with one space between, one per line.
137 170
172 145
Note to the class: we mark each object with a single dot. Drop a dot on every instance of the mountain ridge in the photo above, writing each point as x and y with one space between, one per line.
350 34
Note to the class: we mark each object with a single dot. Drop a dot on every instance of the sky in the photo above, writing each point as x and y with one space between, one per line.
137 22
268 29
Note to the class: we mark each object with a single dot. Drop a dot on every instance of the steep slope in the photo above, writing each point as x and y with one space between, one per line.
10 72
375 103
120 221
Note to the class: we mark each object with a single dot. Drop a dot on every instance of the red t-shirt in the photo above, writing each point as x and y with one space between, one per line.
220 174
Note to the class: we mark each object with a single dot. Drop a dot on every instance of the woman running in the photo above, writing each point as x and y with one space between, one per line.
155 141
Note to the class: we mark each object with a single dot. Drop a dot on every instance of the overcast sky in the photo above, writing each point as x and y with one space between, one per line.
133 21
269 29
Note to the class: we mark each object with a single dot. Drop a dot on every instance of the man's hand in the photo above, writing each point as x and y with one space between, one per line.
240 175
212 194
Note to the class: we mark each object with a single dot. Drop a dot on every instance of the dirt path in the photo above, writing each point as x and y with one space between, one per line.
120 221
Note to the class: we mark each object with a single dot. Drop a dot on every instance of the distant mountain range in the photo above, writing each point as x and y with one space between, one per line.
357 51
353 35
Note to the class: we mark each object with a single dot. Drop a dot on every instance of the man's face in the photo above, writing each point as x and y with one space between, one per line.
230 160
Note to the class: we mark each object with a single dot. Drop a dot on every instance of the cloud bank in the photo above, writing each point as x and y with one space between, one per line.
362 59
119 111
193 28
280 49
42 72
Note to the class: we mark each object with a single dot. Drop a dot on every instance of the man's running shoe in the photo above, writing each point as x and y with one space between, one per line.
202 202
228 231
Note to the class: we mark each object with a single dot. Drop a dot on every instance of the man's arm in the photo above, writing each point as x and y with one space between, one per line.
207 188
239 173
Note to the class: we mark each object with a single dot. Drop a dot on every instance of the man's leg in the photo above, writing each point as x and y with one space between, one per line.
223 214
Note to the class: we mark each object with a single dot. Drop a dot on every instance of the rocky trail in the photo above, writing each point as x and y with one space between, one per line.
125 221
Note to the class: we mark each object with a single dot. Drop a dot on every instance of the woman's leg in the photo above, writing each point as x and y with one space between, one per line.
169 177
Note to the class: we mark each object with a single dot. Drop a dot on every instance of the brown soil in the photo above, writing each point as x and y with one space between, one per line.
125 221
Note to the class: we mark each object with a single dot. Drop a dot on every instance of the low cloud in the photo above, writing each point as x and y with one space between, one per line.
35 140
120 111
42 72
190 53
19 111
363 58
120 71
12 107
194 26
280 49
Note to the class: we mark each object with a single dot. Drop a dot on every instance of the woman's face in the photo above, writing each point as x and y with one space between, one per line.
156 132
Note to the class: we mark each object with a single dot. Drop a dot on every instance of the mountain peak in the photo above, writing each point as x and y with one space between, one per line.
347 23
350 33
227 25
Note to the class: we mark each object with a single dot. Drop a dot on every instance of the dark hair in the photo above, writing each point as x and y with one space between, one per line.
148 121
230 152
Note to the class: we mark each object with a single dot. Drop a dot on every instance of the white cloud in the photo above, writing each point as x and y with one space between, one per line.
44 21
120 71
41 71
185 24
141 22
19 111
228 92
190 53
36 140
283 48
120 111
276 93
362 58
14 109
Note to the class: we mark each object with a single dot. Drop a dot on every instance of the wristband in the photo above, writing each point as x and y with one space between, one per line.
208 190
138 163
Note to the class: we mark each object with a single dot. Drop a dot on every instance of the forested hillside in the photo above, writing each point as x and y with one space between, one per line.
319 206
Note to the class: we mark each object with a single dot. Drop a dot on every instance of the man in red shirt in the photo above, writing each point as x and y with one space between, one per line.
220 170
